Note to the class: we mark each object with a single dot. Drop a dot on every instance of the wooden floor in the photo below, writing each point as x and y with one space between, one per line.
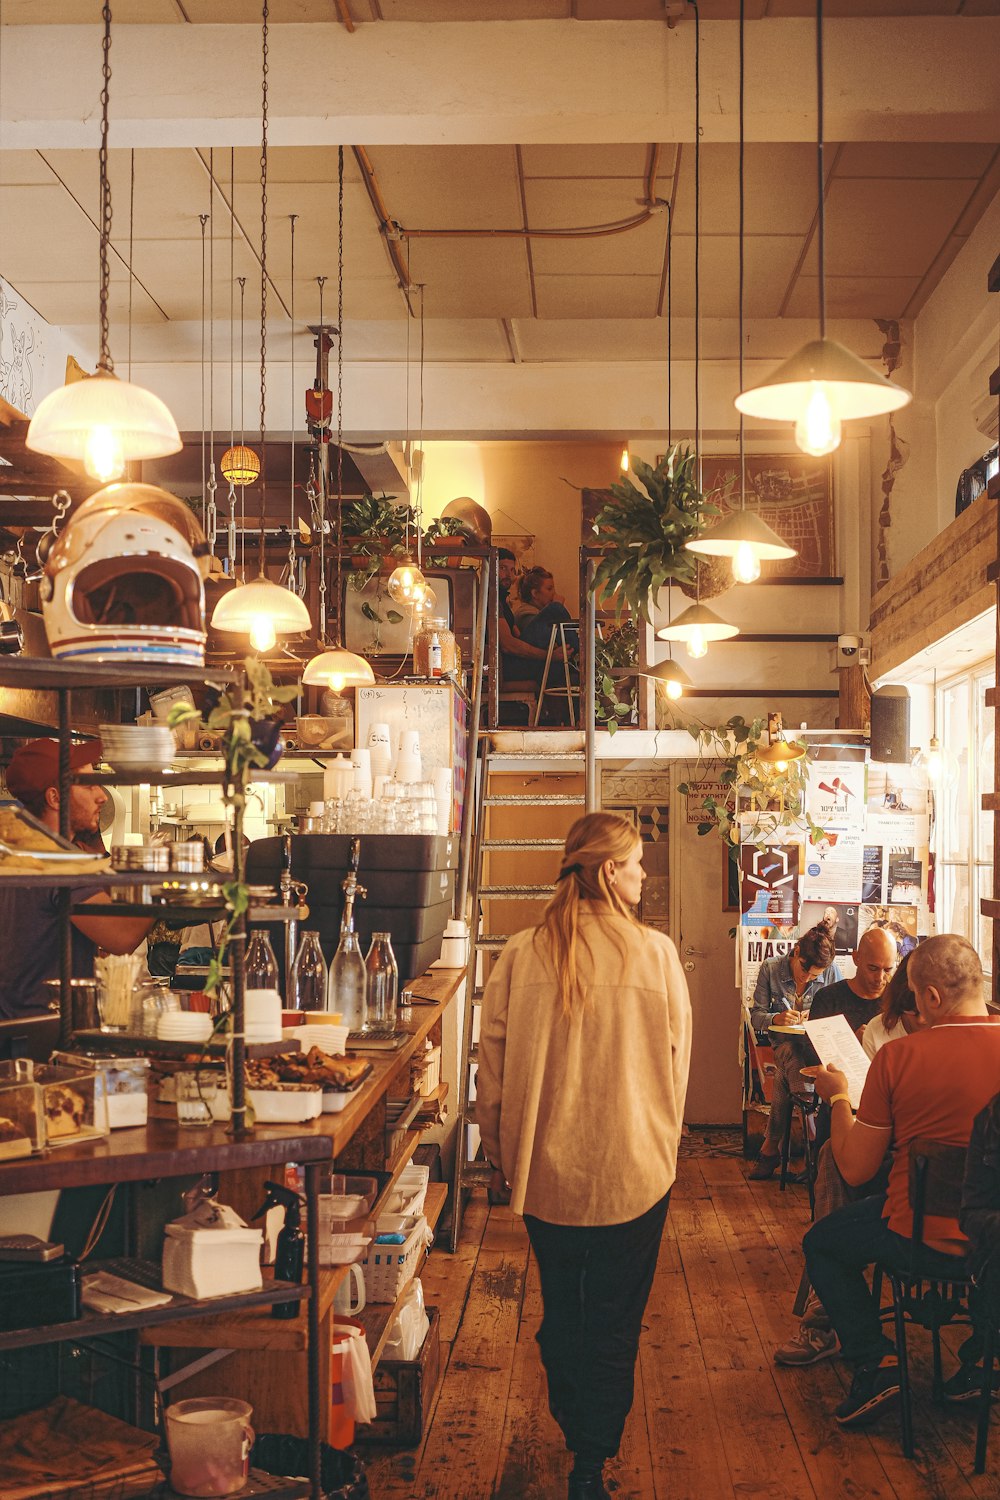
713 1416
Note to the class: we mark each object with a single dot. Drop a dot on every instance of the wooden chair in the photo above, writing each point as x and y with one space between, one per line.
989 1314
935 1187
806 1106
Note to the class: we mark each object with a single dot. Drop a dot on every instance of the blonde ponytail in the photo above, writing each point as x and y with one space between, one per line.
590 843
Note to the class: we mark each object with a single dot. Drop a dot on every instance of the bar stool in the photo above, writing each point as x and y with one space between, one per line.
806 1105
571 689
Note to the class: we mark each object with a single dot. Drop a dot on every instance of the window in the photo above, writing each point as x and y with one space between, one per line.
963 835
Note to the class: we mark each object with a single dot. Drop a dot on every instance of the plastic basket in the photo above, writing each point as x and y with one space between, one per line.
387 1268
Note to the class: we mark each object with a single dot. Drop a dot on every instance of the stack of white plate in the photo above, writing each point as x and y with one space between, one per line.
329 1039
184 1026
137 747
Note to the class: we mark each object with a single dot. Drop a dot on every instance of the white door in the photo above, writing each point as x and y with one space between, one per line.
700 926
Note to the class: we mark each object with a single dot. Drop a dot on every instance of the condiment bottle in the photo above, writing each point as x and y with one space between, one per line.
307 990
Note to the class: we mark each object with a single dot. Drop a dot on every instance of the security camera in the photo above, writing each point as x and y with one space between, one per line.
849 645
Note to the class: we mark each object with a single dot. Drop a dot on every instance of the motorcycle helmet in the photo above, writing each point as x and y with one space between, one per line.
123 581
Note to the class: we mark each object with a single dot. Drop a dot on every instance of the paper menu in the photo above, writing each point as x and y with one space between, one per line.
836 1044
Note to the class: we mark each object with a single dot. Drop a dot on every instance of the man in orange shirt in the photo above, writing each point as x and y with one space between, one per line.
931 1084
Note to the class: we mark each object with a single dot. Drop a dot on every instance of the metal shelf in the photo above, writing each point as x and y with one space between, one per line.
192 915
122 1044
165 776
42 673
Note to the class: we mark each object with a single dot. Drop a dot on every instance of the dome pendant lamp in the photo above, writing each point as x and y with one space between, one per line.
778 751
334 667
673 677
824 384
743 536
262 609
102 421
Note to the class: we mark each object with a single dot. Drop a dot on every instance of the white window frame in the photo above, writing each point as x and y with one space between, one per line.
979 725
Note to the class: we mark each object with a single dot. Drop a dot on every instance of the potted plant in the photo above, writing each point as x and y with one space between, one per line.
377 530
616 660
446 532
771 795
643 531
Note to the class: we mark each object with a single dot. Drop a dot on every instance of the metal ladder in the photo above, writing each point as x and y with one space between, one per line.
471 1172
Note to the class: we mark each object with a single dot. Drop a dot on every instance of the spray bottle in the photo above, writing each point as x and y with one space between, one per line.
290 1256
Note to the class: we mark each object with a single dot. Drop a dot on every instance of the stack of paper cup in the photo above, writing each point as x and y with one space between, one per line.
262 1016
408 765
380 749
362 761
443 797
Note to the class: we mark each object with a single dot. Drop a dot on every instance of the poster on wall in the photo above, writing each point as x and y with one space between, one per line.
839 917
900 921
897 791
833 865
769 886
756 951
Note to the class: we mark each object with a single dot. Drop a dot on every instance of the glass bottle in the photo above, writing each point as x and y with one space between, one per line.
307 989
261 966
383 983
435 650
347 987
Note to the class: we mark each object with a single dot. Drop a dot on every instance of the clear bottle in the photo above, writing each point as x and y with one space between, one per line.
347 987
307 988
383 983
261 966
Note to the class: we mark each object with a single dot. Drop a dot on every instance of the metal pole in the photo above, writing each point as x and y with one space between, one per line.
65 893
462 883
589 669
312 1314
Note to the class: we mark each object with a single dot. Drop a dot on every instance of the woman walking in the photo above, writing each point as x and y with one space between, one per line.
583 1066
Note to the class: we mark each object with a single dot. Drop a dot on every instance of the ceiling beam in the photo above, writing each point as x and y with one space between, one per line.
916 78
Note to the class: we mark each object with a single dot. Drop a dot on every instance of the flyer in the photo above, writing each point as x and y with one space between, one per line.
754 952
841 918
834 862
769 886
873 874
900 921
835 795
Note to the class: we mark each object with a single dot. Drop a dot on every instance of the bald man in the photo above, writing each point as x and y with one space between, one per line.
931 1084
858 998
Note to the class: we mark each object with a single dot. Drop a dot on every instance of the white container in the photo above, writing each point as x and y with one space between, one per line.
389 1267
454 946
120 1099
211 1262
285 1106
262 1015
342 1249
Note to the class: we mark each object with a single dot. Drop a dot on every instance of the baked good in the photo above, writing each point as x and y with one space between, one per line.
20 835
65 1110
11 1131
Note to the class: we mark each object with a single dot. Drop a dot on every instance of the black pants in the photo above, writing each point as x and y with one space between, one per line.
595 1285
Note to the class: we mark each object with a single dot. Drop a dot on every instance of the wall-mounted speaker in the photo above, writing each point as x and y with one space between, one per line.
891 724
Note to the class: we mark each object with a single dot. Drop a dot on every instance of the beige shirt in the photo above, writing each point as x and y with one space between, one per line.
584 1115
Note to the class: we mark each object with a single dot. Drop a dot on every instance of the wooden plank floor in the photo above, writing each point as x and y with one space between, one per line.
713 1416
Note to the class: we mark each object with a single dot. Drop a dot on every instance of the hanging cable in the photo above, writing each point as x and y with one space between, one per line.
820 172
323 497
670 328
742 217
291 446
338 603
263 285
203 220
131 274
231 526
243 488
697 244
211 528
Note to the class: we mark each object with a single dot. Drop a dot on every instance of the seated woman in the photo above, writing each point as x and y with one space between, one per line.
539 608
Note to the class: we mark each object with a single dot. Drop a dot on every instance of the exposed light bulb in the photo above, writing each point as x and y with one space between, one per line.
103 455
337 681
424 600
781 765
404 582
262 633
674 688
697 644
624 462
746 564
818 429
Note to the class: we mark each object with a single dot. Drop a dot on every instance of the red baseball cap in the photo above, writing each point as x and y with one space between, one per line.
35 766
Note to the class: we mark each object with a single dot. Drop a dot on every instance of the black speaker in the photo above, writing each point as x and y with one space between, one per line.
891 724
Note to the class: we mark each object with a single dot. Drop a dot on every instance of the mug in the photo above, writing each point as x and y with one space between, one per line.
343 1303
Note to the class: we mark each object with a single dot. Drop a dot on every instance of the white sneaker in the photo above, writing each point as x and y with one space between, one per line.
808 1347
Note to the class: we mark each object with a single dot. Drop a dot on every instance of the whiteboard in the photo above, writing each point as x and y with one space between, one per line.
426 707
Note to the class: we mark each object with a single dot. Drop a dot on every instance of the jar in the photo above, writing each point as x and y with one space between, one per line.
435 650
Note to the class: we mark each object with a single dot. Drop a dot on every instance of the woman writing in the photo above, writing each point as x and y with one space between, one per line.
583 1066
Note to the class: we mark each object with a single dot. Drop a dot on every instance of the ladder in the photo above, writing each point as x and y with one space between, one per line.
469 1171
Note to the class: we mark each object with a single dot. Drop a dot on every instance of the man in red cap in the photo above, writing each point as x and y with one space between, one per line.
29 915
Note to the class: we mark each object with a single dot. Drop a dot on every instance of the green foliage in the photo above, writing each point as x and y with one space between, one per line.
775 798
381 527
230 717
618 651
644 531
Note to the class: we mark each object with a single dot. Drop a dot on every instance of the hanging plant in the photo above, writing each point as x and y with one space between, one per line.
616 659
713 576
775 798
378 528
644 531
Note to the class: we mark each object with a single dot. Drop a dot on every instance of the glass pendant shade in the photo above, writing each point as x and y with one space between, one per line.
696 627
103 423
337 669
405 582
747 540
424 601
940 765
262 610
673 677
821 386
240 465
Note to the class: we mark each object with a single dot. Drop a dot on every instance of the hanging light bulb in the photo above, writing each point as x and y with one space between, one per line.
424 601
778 751
262 610
697 627
818 430
624 462
746 564
673 678
405 582
939 765
262 633
337 669
101 420
745 538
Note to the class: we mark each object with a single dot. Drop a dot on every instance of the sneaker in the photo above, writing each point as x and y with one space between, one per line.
764 1167
807 1347
587 1485
967 1383
872 1389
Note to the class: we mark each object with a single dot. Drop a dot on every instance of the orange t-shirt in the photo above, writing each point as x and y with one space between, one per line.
931 1085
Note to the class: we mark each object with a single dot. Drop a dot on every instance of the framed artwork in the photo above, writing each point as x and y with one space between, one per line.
793 493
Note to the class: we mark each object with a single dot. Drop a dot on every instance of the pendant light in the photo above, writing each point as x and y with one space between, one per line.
673 677
334 667
940 765
698 625
824 384
262 609
101 420
778 751
743 536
